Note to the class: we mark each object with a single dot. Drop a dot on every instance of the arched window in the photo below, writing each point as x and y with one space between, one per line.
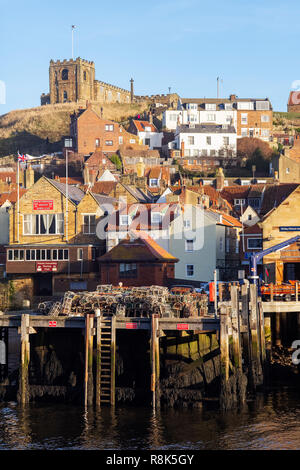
65 96
109 96
84 75
65 74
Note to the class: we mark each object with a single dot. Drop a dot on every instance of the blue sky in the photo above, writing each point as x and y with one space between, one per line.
182 44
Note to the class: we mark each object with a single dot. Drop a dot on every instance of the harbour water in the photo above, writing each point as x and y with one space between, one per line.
269 422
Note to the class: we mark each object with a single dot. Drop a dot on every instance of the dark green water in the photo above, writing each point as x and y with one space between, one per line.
271 421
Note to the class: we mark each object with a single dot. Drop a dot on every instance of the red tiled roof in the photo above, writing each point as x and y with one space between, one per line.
252 229
140 125
141 249
71 180
101 187
98 159
12 196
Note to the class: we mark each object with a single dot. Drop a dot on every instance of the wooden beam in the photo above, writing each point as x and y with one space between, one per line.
98 362
113 362
224 343
25 358
237 353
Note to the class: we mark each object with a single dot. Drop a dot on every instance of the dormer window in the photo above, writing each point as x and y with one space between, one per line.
125 219
239 202
147 128
153 182
156 217
210 106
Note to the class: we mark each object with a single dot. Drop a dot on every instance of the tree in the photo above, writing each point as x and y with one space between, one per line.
115 159
247 146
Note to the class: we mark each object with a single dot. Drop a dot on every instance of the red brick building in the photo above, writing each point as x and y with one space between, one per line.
137 262
89 132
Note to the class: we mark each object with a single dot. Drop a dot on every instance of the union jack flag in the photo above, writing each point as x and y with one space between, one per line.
21 158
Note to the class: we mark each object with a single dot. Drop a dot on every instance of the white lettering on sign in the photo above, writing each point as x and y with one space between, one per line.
52 324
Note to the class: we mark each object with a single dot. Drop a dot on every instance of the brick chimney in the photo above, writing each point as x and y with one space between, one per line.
150 118
220 179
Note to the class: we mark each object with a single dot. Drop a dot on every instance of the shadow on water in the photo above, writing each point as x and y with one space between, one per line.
271 421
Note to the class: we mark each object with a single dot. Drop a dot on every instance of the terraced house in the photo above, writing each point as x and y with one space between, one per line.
53 243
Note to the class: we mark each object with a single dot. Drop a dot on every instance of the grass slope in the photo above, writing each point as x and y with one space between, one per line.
39 130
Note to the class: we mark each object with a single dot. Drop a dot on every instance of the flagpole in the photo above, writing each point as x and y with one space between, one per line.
67 196
18 203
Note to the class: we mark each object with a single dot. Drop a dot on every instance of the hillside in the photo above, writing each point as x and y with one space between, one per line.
286 122
39 130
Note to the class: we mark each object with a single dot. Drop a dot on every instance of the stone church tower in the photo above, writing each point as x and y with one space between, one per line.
74 81
71 81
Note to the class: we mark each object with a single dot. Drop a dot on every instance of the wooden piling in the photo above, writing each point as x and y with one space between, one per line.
245 326
255 338
277 329
224 344
268 343
113 362
155 362
262 335
272 291
88 375
25 358
236 340
98 361
3 354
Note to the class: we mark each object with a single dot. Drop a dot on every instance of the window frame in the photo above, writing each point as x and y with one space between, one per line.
187 270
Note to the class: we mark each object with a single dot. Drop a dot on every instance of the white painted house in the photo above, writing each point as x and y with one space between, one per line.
205 140
195 113
195 236
147 133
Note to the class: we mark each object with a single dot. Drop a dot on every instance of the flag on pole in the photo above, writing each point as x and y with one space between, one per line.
21 158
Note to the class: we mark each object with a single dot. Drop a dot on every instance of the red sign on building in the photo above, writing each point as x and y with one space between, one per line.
131 326
46 266
52 324
182 326
43 204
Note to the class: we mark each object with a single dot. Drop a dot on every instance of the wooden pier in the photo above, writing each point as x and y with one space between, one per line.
242 326
99 330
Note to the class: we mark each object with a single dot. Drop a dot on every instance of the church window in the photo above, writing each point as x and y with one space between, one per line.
65 96
84 75
65 74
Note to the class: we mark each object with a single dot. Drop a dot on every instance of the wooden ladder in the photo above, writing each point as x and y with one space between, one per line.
106 352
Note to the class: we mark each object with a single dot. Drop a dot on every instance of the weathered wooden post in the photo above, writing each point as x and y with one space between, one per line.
113 362
272 291
25 358
157 362
152 359
88 375
277 329
262 334
268 342
98 361
245 327
237 353
224 357
3 354
255 338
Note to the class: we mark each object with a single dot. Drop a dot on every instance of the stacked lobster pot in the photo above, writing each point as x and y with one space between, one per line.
128 302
